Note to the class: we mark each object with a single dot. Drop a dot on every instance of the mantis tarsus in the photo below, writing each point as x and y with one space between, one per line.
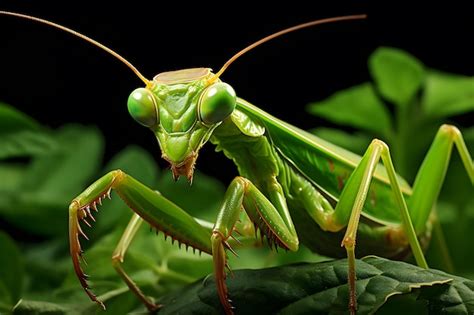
292 185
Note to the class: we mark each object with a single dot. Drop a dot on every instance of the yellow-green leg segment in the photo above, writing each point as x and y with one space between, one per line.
426 189
353 197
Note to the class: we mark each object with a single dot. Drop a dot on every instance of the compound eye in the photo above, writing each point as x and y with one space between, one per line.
142 107
217 103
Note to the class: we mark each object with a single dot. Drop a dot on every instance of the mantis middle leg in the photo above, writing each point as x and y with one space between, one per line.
269 214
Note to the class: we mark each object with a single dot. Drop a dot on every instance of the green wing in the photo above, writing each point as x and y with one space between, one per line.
326 164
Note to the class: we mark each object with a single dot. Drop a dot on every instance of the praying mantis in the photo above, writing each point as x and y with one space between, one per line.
292 186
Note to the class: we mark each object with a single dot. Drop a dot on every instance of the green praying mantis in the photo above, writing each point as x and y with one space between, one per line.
293 186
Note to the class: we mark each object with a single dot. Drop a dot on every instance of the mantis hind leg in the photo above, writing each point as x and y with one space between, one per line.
426 189
351 203
148 205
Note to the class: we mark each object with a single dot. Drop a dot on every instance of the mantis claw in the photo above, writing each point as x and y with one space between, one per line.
236 239
227 245
94 206
86 222
82 232
220 263
92 217
80 210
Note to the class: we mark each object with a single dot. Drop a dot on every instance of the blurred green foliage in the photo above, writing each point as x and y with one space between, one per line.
42 170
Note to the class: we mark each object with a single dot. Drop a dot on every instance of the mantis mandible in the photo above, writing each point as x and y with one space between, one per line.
293 186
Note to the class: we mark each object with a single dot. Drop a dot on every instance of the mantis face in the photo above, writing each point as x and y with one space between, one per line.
182 109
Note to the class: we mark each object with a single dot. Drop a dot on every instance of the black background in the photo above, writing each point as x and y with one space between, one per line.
57 78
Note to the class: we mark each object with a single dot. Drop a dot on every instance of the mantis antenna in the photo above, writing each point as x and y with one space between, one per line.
283 32
224 67
84 37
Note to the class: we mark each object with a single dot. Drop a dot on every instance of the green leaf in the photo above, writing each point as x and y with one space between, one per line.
357 107
357 142
5 304
11 270
11 175
404 304
397 74
119 301
47 265
41 308
25 143
52 180
456 298
20 135
65 171
13 120
448 94
321 289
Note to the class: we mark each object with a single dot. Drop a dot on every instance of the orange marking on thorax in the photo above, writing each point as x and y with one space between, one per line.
340 182
331 165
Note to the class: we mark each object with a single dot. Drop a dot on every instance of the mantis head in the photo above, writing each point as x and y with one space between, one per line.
182 108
